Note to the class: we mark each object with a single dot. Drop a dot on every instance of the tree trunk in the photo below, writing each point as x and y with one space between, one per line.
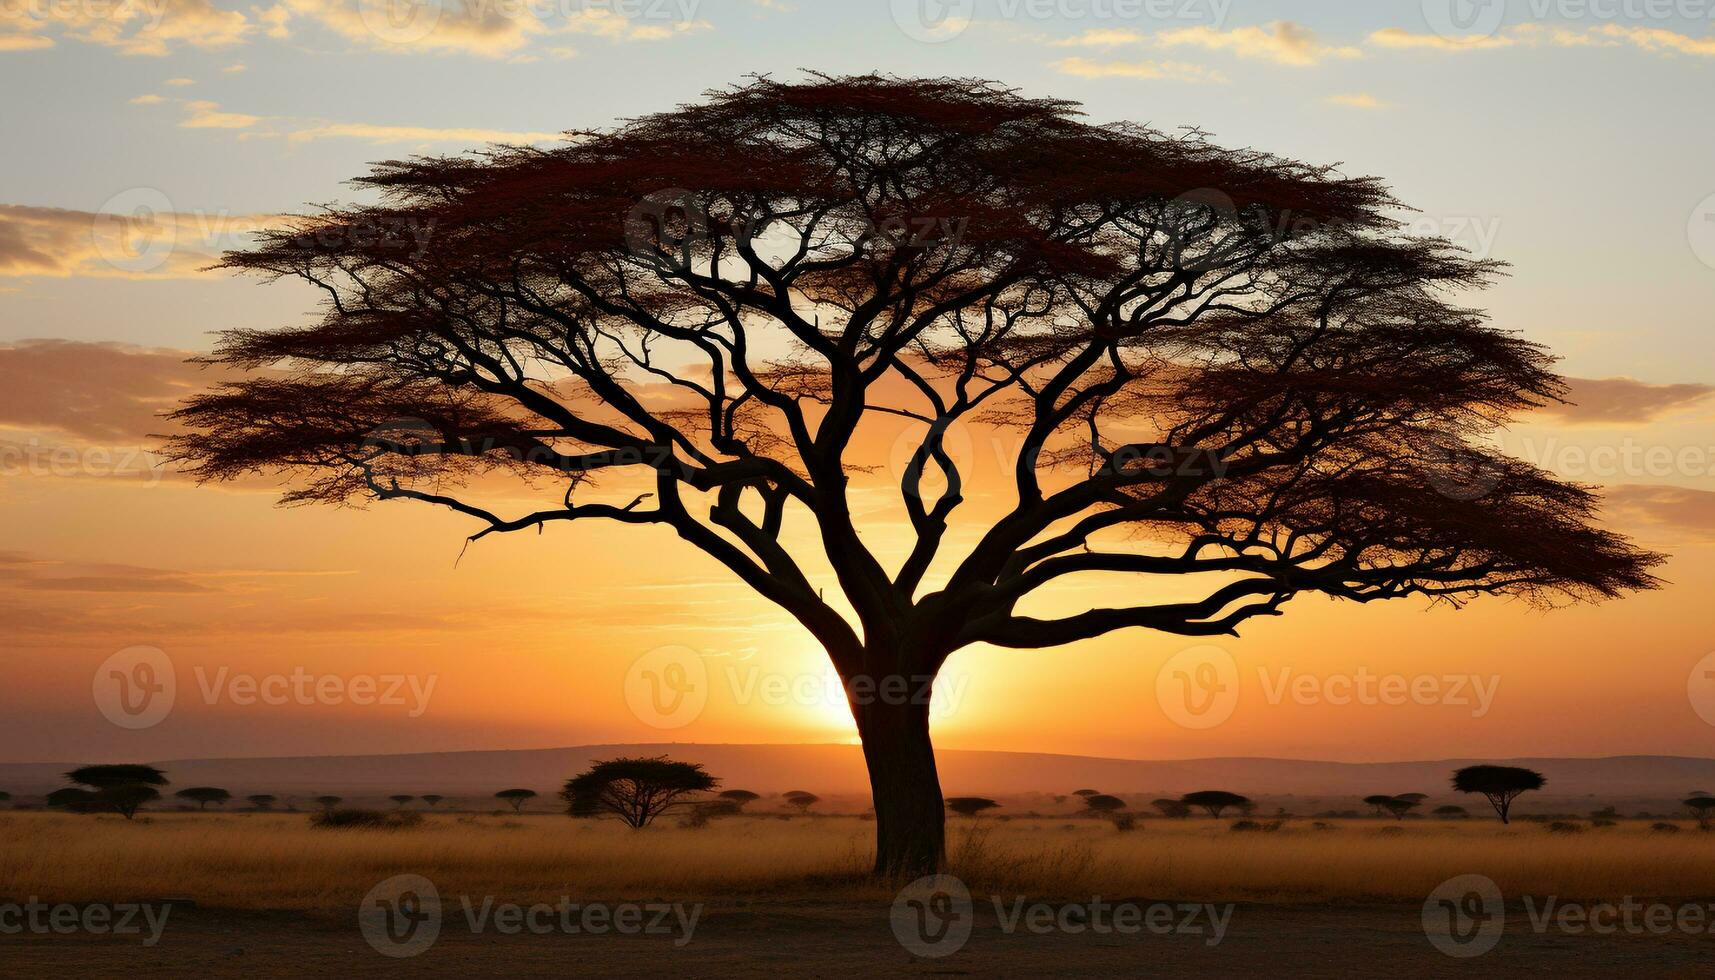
910 819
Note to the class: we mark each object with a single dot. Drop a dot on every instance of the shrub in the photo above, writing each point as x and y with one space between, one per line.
1125 821
1264 827
366 819
1665 828
1564 827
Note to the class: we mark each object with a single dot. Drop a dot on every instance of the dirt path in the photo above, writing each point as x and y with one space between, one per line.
846 941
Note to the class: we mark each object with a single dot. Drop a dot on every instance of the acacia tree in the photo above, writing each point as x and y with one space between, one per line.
1199 360
1500 785
970 806
740 797
263 801
121 789
1703 808
1171 807
516 797
433 799
801 799
202 796
635 790
1213 801
1102 804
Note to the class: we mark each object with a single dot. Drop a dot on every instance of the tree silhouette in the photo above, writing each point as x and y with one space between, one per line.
1199 360
740 797
802 800
635 790
432 799
1170 807
1703 808
202 796
1377 803
401 799
1214 801
1399 806
5 797
121 789
970 806
329 802
1085 792
1103 804
516 797
263 801
1499 784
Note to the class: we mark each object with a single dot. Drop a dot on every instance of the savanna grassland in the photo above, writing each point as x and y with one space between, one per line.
257 861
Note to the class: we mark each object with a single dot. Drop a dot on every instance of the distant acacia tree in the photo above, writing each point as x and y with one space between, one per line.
1085 792
1209 364
635 790
1213 801
5 796
1501 785
1102 803
1450 811
802 800
329 802
1171 807
401 799
1377 803
740 797
121 789
1703 808
202 796
263 801
970 806
433 799
1399 806
516 797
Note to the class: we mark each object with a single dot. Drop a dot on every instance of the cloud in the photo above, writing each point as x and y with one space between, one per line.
476 27
148 100
151 28
1626 401
1655 40
100 392
138 236
205 115
1282 42
1687 513
1355 100
1173 70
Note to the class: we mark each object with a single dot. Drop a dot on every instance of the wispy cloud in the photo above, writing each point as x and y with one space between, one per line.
1655 40
1170 70
1282 42
1355 100
1627 401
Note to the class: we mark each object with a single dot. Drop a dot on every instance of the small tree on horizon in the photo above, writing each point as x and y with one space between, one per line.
801 799
1377 802
1171 808
263 801
1501 785
636 790
1451 810
516 797
400 799
1103 804
1399 806
121 789
202 796
1703 808
1213 801
970 806
433 799
1086 792
739 798
329 802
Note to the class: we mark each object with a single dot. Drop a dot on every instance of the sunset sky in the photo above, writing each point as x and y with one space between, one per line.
1568 140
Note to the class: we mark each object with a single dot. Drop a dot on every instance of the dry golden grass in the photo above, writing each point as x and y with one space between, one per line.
277 861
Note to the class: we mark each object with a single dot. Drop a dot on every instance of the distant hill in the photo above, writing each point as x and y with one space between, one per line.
833 770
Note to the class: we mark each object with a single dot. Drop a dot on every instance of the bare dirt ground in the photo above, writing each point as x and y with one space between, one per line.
856 940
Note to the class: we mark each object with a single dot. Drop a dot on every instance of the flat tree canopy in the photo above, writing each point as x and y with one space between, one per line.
1214 800
714 320
970 806
1499 784
202 796
1103 803
635 790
